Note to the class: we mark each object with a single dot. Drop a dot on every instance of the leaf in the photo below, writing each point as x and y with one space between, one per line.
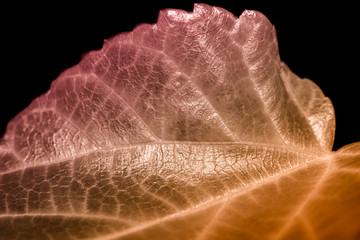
191 128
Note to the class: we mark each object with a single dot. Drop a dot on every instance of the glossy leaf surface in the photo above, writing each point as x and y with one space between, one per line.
191 128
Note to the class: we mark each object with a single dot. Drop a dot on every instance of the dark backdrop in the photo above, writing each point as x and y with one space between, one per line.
40 41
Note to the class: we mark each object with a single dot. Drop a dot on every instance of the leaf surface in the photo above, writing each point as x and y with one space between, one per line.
190 128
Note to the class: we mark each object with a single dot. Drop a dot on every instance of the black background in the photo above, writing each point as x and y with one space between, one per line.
320 42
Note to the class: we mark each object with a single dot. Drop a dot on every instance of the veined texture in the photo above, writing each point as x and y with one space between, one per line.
194 122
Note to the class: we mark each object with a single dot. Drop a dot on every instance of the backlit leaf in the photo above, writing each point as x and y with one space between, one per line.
190 128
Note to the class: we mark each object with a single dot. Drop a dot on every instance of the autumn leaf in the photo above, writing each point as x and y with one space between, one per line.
190 128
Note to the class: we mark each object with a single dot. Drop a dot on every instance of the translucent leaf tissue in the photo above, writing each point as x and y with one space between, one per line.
190 128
